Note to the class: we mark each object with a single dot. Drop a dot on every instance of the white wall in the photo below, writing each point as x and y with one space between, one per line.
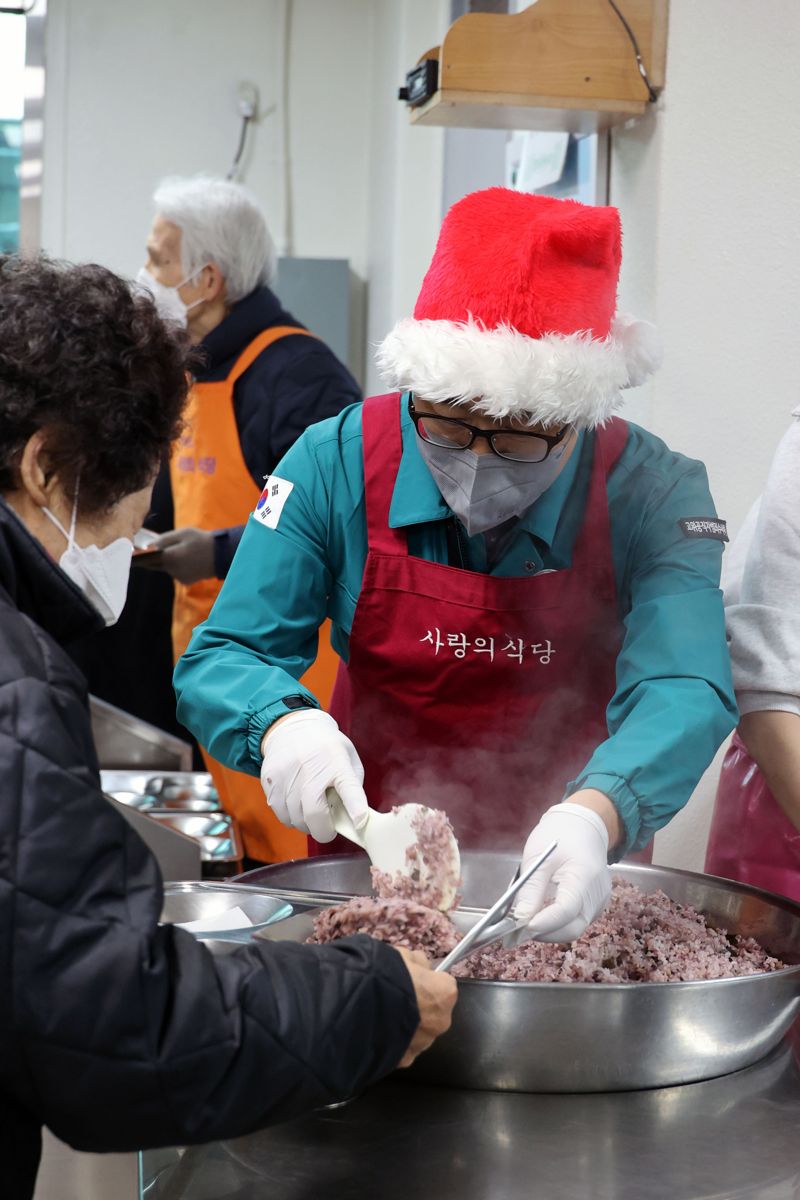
138 91
12 66
135 92
405 165
709 190
330 102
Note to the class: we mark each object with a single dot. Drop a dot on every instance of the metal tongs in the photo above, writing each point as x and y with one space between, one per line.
495 924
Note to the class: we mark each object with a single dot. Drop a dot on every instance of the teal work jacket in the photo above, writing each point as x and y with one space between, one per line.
673 704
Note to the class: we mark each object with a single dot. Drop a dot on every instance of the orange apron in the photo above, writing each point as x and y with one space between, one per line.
212 488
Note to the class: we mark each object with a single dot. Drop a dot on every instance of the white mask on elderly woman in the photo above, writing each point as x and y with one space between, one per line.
484 490
168 302
102 574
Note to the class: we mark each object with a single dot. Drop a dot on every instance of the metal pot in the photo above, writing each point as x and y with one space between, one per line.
589 1037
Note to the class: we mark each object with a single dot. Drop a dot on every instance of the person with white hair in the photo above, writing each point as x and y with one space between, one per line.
210 265
217 224
262 378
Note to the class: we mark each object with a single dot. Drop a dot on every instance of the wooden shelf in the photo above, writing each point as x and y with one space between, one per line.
558 65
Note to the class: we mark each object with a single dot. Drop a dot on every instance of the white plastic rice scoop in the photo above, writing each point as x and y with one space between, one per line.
397 846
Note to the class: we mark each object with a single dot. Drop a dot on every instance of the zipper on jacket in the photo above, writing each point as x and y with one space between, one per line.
455 547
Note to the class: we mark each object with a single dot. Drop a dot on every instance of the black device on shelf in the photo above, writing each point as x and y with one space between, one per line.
421 83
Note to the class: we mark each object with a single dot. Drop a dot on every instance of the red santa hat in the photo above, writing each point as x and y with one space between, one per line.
517 314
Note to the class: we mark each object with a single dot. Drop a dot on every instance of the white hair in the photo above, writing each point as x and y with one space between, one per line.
220 222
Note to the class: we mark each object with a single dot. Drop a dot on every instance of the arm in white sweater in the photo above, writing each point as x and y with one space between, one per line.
762 608
762 601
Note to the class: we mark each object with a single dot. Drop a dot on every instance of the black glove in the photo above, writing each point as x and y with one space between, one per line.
185 554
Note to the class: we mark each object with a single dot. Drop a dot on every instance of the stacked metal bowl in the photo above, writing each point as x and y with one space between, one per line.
188 802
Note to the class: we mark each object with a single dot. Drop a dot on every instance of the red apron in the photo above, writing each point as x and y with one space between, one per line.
752 840
476 694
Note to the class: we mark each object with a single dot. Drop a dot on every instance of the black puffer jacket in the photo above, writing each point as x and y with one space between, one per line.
115 1033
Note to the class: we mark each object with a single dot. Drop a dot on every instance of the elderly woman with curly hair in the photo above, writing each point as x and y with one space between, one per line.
115 1032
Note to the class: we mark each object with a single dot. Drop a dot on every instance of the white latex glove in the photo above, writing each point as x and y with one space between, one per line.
576 873
305 753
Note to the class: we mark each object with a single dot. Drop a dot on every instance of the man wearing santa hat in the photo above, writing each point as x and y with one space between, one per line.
523 587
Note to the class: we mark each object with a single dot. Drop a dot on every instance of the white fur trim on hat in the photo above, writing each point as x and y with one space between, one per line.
553 380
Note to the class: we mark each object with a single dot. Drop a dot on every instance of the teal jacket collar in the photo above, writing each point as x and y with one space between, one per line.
416 500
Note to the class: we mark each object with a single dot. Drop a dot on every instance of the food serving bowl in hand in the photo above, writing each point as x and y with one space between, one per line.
209 901
592 1037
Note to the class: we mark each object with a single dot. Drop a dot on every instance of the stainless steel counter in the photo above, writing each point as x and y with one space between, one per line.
735 1136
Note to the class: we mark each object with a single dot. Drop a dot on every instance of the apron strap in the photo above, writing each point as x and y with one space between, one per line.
593 544
261 342
383 449
612 439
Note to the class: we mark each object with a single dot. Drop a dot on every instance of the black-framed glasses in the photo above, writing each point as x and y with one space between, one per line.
454 434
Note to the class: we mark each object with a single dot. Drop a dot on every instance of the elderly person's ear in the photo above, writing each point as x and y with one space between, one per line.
36 477
211 282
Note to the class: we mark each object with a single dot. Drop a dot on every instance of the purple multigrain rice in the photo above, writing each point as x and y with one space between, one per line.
397 921
406 910
429 876
638 939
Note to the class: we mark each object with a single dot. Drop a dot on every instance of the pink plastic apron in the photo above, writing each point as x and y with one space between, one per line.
751 838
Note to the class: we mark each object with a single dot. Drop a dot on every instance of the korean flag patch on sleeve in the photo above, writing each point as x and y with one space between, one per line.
271 501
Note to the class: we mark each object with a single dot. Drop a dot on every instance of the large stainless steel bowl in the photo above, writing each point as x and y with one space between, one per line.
592 1037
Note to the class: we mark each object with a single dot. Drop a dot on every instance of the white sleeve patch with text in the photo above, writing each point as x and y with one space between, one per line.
271 501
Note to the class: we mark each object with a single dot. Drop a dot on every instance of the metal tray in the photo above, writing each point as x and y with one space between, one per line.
138 800
196 825
216 834
589 1037
185 791
190 790
124 742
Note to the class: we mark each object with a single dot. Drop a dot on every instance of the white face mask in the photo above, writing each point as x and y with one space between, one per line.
102 575
484 490
168 302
